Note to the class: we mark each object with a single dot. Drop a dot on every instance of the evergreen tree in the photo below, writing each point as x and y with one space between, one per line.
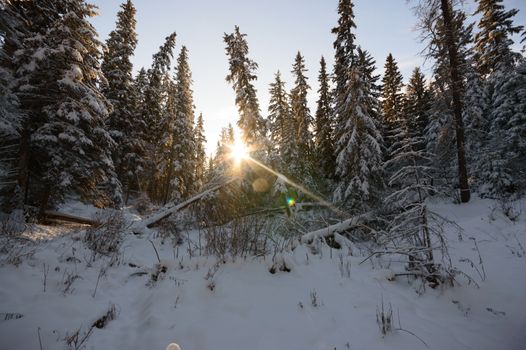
300 112
70 149
284 151
153 109
181 155
324 125
242 74
359 142
413 229
417 104
22 23
504 158
475 118
141 84
222 160
200 154
392 99
449 39
10 123
124 123
493 42
10 115
344 47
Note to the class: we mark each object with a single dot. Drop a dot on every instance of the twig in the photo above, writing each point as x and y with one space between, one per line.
102 272
413 334
480 258
45 271
39 339
156 253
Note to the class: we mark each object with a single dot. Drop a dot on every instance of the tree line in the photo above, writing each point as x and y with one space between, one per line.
75 120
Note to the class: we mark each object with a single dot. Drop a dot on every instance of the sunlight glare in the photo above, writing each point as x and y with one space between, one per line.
238 150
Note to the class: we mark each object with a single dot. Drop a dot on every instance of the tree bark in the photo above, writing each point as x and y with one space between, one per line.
456 89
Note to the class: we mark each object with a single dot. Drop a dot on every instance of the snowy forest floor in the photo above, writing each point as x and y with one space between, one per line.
51 288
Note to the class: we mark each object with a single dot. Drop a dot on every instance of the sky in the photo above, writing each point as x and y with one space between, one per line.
276 30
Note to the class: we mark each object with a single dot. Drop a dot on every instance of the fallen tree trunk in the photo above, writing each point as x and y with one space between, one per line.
55 215
336 229
167 210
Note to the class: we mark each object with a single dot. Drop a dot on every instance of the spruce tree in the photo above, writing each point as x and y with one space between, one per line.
344 55
493 42
153 109
414 230
124 124
503 168
344 47
324 125
10 124
241 76
140 86
392 99
181 155
22 25
70 148
200 153
449 38
222 159
300 112
359 142
417 104
284 150
475 118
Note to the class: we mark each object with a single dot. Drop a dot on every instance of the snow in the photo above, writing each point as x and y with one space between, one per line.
327 301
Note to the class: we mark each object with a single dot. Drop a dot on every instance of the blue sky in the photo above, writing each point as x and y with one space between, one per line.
276 30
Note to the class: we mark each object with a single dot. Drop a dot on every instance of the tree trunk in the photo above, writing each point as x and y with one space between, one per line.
456 89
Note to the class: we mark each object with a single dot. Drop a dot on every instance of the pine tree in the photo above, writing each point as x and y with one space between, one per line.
324 125
222 160
181 154
493 42
10 124
22 23
475 118
10 115
417 104
392 99
153 109
359 141
344 47
284 151
242 74
70 148
504 159
413 229
200 154
141 84
300 112
448 46
124 124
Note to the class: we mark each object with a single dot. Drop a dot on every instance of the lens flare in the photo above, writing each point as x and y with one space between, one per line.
291 201
238 151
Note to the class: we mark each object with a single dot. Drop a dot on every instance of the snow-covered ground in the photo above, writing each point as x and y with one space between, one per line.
240 305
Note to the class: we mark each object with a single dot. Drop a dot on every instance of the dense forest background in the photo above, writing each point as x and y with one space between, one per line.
76 122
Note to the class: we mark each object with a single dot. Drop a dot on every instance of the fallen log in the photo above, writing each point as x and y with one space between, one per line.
336 229
169 209
55 215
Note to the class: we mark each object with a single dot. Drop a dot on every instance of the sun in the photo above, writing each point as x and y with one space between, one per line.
239 151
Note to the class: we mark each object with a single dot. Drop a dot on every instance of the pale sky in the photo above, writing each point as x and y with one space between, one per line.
276 30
